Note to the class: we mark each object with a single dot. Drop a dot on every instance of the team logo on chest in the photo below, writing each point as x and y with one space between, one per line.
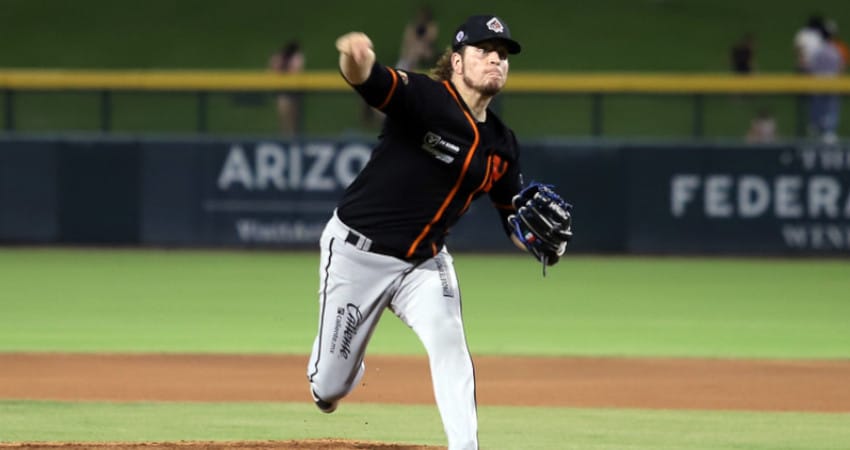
440 148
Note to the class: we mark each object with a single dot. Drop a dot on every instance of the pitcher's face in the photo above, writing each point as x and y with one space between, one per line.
484 67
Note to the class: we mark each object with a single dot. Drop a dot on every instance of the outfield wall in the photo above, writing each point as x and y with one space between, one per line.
790 199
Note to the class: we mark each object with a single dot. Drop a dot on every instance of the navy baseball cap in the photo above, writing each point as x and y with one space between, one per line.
483 28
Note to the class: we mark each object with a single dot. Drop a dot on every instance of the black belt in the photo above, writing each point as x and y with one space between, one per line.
366 244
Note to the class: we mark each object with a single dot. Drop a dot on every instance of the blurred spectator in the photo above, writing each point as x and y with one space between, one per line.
806 41
742 55
289 59
832 29
824 109
417 50
417 42
762 128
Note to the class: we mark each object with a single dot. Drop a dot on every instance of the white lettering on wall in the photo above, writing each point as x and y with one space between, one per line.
817 236
316 180
349 162
806 206
717 196
788 204
270 162
824 192
236 170
317 167
281 231
825 159
683 188
753 196
295 167
750 196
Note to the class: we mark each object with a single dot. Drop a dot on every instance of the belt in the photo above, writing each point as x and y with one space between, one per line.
366 244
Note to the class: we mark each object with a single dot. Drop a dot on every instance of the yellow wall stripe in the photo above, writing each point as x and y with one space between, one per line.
331 81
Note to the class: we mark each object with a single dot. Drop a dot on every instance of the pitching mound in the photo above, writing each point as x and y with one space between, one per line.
312 444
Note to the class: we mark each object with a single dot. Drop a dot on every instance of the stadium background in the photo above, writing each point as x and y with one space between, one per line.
155 300
609 36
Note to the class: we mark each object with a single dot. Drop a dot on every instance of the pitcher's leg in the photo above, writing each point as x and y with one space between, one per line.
336 362
334 381
453 377
429 302
349 310
355 287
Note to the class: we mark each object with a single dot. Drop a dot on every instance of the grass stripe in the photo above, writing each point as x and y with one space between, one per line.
83 300
500 427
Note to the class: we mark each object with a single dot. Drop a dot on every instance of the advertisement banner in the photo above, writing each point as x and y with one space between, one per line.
739 200
662 198
275 194
260 193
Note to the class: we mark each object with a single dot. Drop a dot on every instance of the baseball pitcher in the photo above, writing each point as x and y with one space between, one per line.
440 149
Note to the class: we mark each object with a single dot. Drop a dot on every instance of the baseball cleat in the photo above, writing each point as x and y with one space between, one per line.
325 407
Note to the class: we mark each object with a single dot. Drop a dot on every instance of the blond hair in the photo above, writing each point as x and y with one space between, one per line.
442 71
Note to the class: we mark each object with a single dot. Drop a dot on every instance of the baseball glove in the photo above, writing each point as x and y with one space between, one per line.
542 222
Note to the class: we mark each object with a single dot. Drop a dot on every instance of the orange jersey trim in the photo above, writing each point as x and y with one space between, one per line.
496 169
454 190
392 89
480 186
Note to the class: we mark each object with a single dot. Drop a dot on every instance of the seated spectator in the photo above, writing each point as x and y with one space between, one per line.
762 128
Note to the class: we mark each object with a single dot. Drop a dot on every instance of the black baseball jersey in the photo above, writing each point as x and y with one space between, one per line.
432 160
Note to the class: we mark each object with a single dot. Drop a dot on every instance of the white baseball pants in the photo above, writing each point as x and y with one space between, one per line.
355 287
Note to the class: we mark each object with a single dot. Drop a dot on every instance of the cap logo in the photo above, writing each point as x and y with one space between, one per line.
495 26
459 36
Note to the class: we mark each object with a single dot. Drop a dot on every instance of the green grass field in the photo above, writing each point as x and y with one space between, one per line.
507 428
94 300
266 302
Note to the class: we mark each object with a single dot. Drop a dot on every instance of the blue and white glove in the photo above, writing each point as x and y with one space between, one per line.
542 222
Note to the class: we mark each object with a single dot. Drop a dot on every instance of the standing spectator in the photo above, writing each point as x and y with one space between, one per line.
806 41
417 49
417 42
824 109
742 55
843 49
289 59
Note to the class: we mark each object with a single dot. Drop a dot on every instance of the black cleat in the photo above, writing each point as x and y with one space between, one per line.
325 407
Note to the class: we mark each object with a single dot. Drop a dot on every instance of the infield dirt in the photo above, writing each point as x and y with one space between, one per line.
706 384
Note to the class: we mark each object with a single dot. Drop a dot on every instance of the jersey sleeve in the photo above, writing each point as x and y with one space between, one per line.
394 92
380 87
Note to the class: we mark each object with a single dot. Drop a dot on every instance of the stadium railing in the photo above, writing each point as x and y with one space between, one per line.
596 85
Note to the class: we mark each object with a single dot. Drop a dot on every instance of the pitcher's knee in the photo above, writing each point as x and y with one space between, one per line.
330 390
333 386
447 334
